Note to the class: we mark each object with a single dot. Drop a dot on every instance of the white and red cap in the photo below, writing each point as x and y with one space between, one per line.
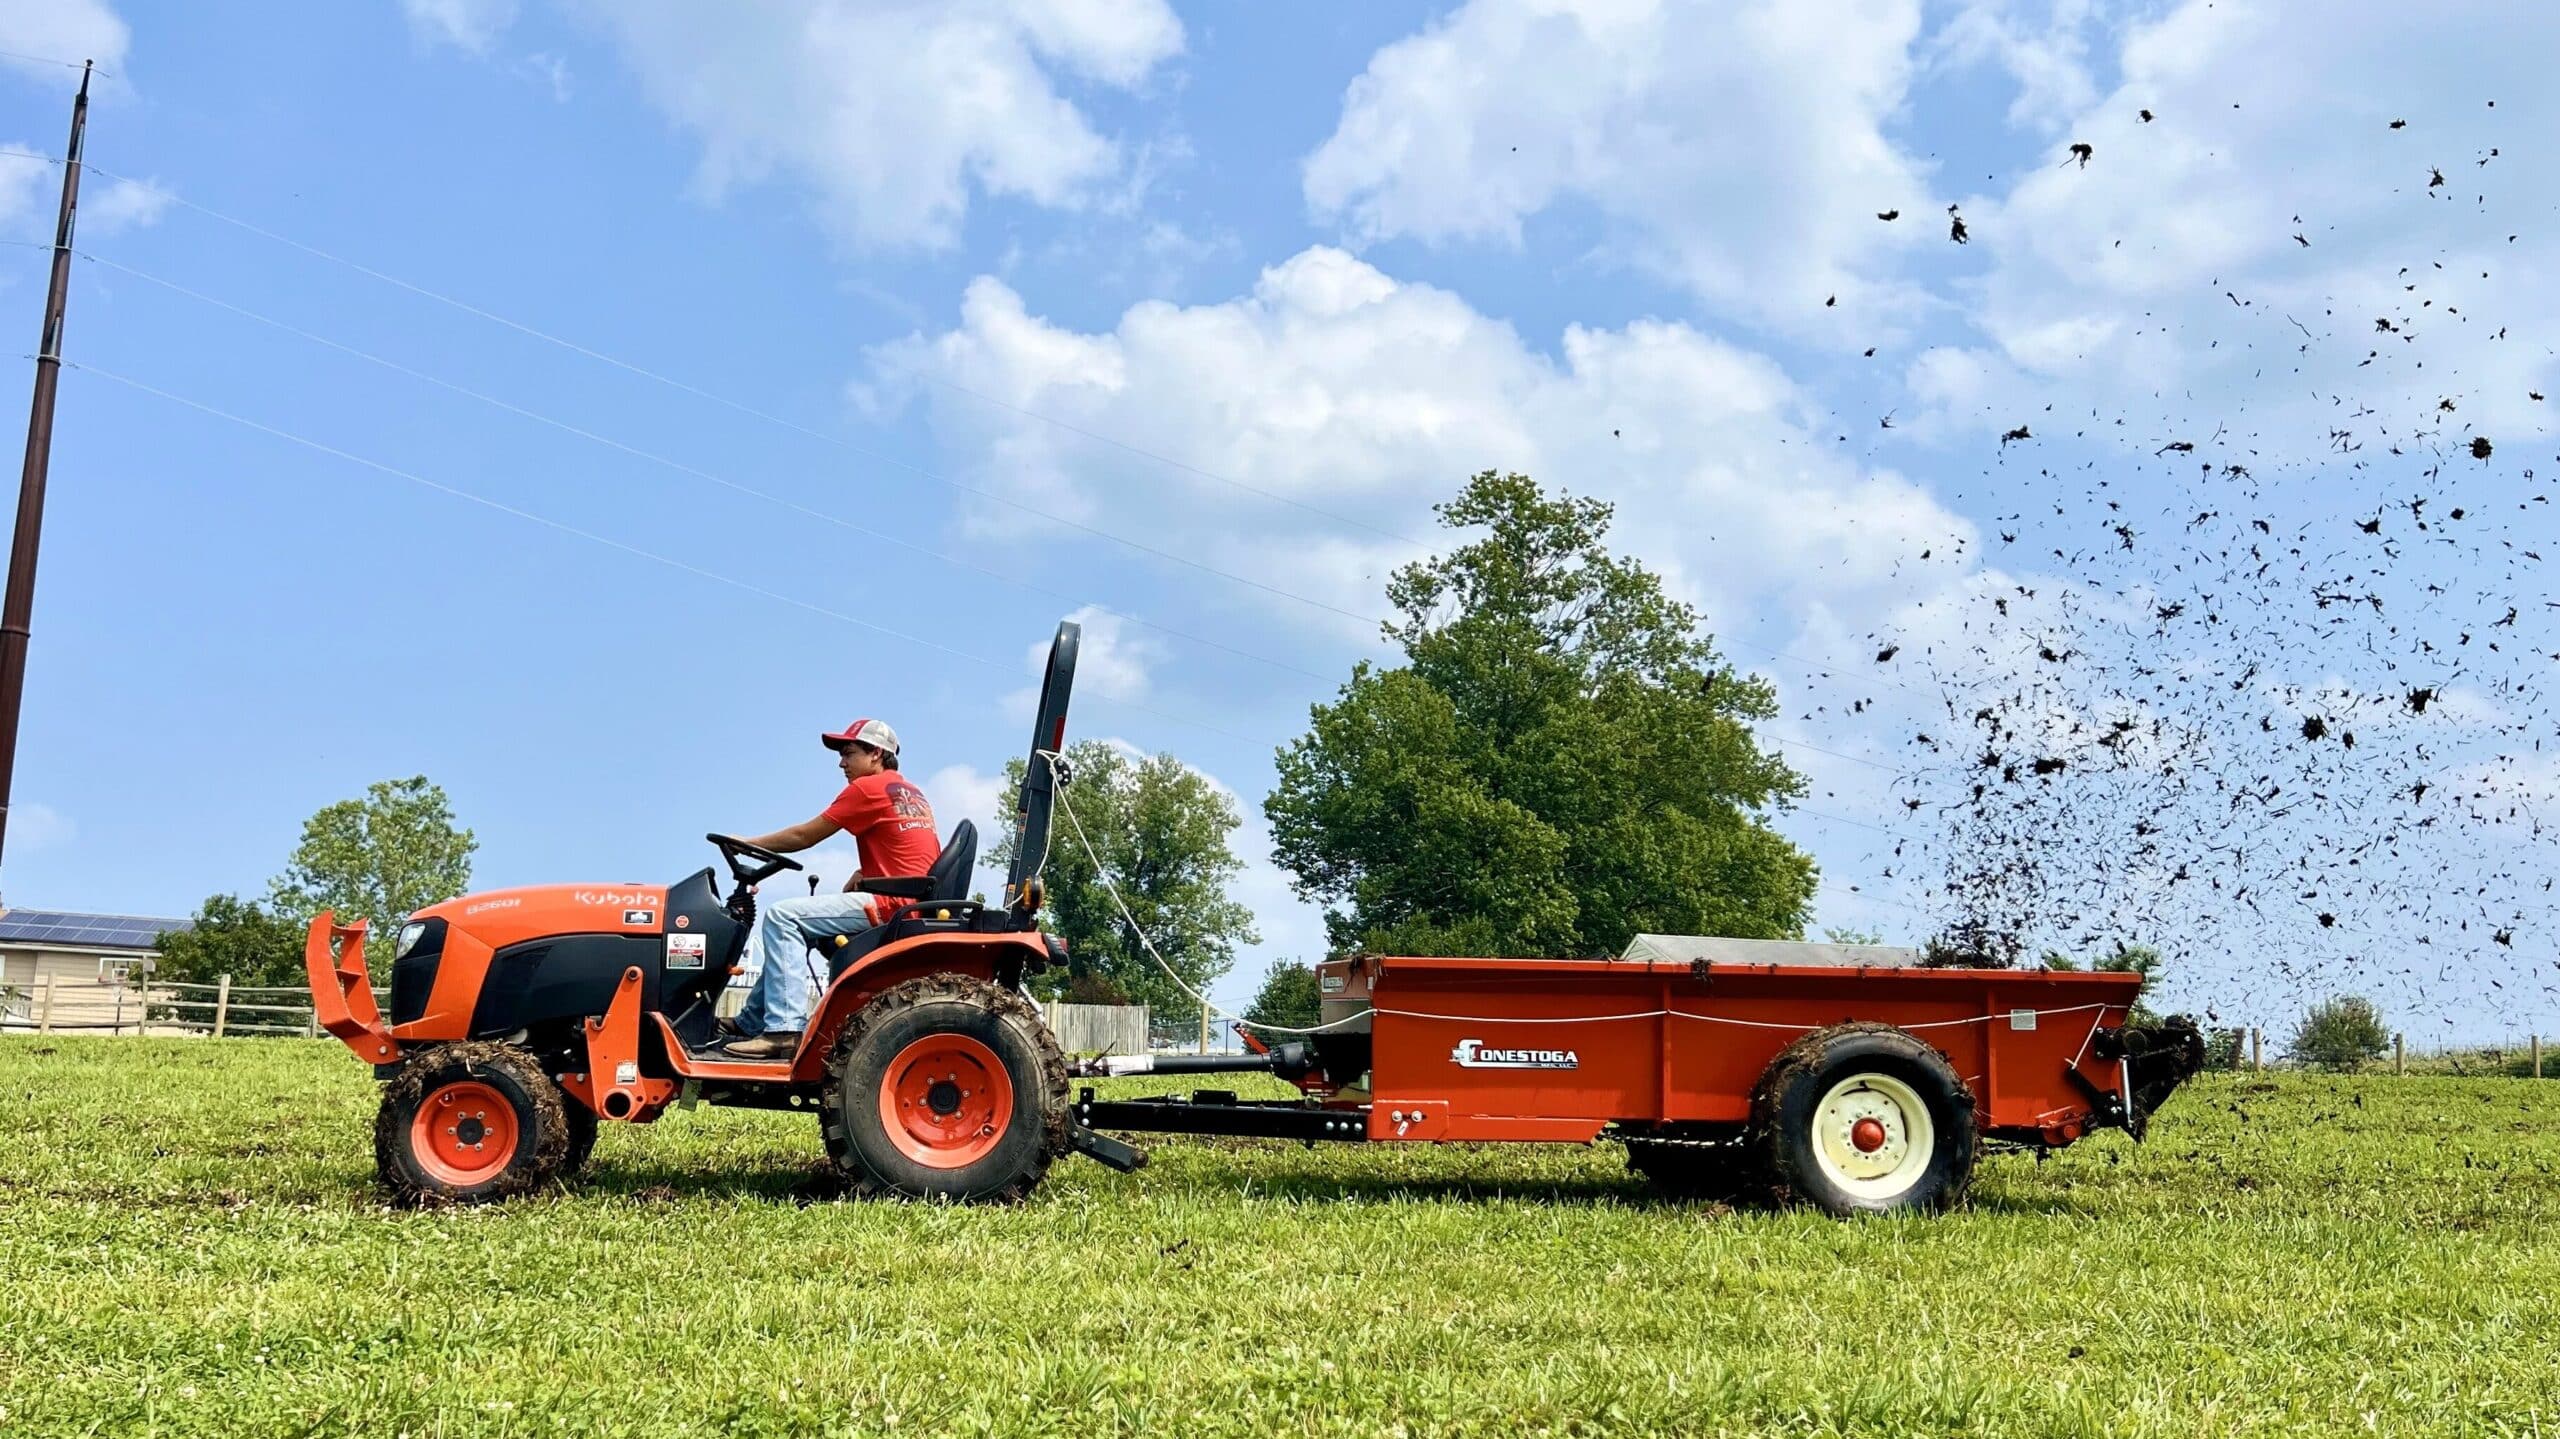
872 732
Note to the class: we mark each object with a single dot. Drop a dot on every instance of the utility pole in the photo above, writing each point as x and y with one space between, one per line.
18 609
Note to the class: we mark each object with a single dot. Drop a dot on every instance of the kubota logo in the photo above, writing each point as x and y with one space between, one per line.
1472 1054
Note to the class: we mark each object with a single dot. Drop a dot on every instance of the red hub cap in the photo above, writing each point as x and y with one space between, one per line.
946 1101
1868 1134
464 1134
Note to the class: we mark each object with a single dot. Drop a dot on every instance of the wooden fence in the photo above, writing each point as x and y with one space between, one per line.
1098 1028
168 1007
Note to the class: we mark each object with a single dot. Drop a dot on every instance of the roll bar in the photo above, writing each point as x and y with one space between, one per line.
1039 777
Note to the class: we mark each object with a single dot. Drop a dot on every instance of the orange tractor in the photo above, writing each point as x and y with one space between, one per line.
521 1018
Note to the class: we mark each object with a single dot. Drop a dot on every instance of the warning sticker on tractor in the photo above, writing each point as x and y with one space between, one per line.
687 951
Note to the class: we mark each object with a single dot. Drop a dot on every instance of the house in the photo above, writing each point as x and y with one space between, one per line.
88 959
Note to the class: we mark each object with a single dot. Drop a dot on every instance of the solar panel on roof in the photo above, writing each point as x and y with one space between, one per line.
112 931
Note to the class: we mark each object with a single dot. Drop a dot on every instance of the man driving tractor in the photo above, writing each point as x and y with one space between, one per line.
892 827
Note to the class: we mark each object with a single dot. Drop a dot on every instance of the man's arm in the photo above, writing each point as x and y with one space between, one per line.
797 838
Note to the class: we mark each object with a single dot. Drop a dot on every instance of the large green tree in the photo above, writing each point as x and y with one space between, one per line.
1562 761
233 936
380 857
1162 831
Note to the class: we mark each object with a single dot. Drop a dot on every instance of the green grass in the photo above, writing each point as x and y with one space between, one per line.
190 1244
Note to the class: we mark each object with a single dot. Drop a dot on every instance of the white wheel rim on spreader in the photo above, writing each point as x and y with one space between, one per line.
1873 1137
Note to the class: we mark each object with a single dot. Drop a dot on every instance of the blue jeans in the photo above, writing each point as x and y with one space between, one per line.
788 977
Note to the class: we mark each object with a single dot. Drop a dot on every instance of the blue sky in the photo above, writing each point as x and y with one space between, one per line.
965 316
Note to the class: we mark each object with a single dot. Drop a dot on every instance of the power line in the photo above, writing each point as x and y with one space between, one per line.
53 60
681 467
608 541
1810 667
741 407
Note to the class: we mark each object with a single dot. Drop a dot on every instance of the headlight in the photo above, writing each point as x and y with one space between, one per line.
409 936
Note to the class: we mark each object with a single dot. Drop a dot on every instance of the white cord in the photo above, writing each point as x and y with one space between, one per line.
1059 792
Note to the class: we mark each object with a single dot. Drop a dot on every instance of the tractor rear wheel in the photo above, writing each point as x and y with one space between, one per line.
945 1088
469 1124
1863 1119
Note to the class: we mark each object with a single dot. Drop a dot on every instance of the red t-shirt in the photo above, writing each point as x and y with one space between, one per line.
891 823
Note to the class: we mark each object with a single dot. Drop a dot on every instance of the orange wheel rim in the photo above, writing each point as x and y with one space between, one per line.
946 1101
464 1134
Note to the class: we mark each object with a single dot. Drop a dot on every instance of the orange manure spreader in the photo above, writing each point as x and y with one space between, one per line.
1845 1078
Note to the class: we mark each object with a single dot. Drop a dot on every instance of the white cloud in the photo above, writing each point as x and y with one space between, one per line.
1113 661
30 192
65 30
2240 242
471 25
34 827
2042 44
123 205
1739 148
892 113
961 792
24 212
1335 385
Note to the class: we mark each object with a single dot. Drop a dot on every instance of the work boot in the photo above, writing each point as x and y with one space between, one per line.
772 1044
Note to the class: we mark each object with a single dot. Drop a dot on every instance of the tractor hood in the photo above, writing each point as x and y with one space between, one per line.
500 917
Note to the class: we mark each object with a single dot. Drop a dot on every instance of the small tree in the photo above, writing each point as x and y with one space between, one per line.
2340 1033
232 936
379 858
1161 829
1842 934
2139 959
1289 996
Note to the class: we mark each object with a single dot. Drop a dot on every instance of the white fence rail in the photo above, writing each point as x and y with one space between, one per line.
161 1007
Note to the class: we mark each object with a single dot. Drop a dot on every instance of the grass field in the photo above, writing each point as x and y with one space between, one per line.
190 1244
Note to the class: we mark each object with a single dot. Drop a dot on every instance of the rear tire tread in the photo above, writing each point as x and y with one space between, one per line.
899 999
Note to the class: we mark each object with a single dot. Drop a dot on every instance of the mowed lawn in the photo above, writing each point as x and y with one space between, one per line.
190 1243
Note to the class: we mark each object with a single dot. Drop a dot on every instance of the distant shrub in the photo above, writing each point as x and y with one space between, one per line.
2342 1033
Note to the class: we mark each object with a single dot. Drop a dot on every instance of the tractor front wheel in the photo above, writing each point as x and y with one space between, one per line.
945 1088
469 1124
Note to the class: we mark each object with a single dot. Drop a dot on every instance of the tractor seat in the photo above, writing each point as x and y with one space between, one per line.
948 879
947 882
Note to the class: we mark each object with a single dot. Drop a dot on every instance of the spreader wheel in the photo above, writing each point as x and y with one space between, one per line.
469 1124
949 1088
1863 1119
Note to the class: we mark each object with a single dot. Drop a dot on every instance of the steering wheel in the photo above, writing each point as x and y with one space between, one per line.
731 848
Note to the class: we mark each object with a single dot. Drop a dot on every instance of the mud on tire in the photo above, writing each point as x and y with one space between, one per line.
945 1088
469 1124
1862 1119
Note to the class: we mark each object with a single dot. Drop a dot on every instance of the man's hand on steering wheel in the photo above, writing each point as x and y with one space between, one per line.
768 863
